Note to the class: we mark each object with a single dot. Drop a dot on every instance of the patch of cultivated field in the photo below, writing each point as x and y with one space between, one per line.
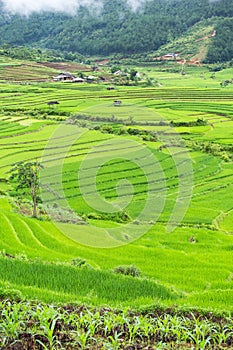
190 266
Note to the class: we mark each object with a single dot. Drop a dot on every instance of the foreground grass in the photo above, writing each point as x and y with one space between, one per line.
25 325
83 284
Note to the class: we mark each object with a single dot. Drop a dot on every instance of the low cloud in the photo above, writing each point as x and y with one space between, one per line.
135 4
26 7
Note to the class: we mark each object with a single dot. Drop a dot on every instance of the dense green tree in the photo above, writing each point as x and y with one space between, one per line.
221 49
26 177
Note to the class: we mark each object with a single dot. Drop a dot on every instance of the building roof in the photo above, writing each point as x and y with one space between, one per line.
78 80
64 75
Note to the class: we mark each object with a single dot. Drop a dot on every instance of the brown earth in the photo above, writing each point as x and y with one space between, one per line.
66 66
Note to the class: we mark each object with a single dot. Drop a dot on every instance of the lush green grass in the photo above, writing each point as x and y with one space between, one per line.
168 259
92 286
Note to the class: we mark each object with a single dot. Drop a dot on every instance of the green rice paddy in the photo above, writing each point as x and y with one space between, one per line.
190 266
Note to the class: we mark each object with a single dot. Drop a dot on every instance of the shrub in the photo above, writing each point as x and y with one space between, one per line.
120 217
78 262
128 270
11 294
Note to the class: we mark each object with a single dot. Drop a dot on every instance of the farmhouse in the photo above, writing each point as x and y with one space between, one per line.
78 80
64 77
170 56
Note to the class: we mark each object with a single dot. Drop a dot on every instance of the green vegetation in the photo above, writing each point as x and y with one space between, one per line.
47 259
221 48
26 177
35 55
79 327
119 30
202 116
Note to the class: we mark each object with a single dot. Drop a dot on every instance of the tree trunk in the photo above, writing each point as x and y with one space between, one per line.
34 208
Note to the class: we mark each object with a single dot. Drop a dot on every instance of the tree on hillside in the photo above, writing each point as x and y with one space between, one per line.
26 177
133 74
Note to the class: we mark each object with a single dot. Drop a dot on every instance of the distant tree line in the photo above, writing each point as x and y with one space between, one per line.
37 54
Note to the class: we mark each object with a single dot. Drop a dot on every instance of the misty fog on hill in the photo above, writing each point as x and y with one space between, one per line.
26 7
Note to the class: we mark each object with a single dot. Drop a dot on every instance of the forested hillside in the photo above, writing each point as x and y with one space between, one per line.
221 49
118 29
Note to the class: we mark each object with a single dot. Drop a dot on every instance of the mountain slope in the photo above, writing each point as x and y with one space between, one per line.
192 46
117 29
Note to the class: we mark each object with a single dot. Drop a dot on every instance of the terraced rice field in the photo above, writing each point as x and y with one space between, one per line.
189 266
26 72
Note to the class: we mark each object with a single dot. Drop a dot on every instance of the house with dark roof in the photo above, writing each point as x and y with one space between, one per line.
64 77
